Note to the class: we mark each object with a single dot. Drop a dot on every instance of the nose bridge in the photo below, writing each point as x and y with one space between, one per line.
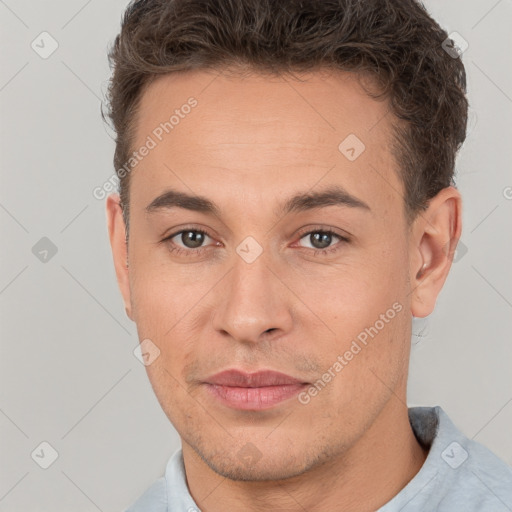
252 300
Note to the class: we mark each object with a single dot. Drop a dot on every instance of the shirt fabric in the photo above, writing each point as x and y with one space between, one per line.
459 474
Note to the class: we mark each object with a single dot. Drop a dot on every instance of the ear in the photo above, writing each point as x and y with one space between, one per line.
117 235
435 234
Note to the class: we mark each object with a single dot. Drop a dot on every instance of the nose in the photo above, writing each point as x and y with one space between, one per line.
254 304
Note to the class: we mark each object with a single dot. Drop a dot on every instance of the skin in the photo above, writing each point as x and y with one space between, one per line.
251 143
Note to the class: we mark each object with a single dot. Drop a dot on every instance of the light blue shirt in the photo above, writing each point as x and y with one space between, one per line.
458 475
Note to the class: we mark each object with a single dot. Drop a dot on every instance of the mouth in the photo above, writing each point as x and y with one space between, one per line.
253 391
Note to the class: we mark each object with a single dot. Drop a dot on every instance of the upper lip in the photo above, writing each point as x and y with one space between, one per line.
238 378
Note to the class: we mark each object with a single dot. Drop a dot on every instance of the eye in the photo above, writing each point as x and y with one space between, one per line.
187 241
321 240
190 242
191 238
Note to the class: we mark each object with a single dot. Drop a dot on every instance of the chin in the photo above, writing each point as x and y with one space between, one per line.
242 473
248 466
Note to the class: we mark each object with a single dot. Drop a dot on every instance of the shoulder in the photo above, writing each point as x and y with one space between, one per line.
154 499
458 474
168 493
483 479
468 473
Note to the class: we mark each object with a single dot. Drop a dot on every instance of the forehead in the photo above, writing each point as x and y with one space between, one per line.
262 134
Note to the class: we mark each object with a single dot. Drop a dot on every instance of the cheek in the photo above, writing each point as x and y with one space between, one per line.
352 298
179 405
366 312
163 307
363 369
159 298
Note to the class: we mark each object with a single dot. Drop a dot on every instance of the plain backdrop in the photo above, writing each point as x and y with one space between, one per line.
68 374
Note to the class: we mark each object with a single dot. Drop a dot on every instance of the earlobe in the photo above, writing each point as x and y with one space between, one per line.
119 246
434 240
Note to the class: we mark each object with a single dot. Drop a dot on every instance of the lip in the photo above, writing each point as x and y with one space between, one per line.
252 391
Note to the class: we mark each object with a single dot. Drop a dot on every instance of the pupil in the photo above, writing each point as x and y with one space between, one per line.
192 239
324 240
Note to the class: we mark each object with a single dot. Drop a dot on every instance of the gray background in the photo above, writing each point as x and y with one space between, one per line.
68 374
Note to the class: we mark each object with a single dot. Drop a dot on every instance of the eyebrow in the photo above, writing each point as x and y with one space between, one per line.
334 195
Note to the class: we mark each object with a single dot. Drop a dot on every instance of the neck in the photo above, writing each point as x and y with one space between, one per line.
365 477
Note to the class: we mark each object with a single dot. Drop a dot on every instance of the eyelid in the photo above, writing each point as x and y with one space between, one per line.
325 229
170 233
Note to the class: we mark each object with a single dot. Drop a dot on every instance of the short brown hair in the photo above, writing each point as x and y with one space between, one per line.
395 42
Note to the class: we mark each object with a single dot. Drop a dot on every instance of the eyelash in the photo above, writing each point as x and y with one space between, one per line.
197 252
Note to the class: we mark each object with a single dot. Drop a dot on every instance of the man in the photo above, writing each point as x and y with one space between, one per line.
286 207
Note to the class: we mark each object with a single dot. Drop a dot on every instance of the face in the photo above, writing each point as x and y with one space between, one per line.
248 279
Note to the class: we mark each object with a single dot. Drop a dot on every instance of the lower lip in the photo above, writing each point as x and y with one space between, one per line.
254 398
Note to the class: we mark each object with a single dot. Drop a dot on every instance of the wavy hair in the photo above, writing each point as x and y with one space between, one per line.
395 42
